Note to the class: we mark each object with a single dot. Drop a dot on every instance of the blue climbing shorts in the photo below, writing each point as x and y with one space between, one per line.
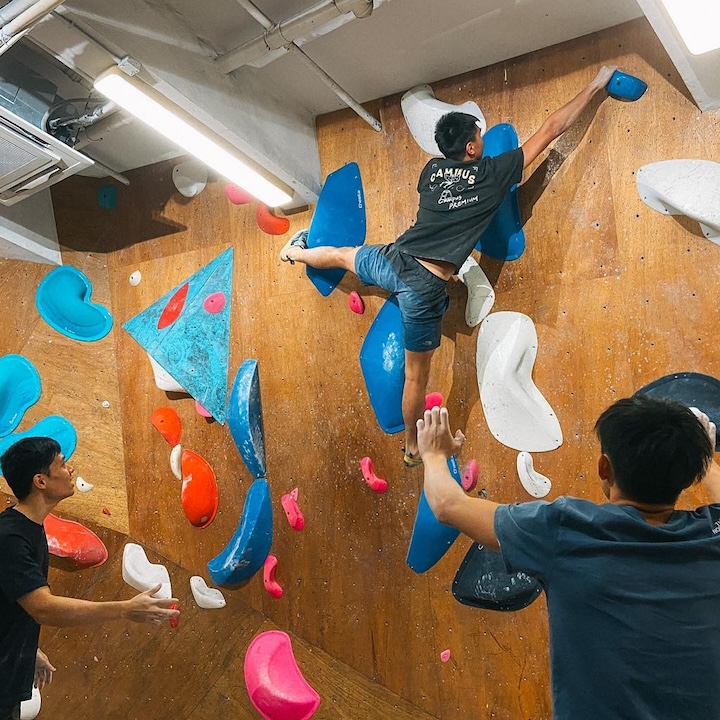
422 296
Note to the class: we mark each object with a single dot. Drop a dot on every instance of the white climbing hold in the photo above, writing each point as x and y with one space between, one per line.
206 597
83 485
140 573
176 461
135 278
534 482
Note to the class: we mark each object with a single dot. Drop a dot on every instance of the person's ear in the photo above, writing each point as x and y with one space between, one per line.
605 470
39 480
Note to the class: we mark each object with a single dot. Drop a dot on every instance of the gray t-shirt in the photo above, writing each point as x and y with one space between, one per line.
634 608
457 202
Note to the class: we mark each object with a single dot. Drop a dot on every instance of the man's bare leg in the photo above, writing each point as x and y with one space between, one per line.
417 374
324 257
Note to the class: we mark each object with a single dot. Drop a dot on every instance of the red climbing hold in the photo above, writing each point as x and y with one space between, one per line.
269 222
76 546
433 399
377 484
174 622
174 307
356 303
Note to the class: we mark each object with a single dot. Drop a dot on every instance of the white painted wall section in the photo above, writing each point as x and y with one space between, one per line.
28 231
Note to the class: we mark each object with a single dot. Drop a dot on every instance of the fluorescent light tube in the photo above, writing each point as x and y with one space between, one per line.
145 103
697 21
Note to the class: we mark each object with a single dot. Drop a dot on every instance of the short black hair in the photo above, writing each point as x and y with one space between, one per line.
25 459
656 447
453 131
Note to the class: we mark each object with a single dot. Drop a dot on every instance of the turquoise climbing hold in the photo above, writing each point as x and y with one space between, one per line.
52 426
19 389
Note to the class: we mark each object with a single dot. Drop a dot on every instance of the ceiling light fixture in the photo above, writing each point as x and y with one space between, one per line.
148 105
697 21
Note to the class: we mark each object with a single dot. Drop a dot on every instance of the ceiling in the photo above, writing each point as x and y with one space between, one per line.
267 109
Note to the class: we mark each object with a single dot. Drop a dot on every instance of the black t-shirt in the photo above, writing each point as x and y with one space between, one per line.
457 202
23 568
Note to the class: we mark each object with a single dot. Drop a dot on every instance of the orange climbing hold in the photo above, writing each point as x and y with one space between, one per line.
377 484
270 222
199 489
77 547
167 422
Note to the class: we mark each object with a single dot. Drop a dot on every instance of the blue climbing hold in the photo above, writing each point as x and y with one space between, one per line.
244 418
622 86
19 389
63 301
52 426
245 554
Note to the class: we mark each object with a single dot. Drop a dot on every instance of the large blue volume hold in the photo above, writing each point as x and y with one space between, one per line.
245 554
244 418
338 221
382 361
622 86
504 238
430 538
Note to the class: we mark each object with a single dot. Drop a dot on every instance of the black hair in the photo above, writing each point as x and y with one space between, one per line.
656 448
453 132
25 459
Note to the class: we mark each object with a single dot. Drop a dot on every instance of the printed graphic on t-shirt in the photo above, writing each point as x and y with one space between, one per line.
452 187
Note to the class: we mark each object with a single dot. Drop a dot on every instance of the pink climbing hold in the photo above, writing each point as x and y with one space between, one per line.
200 410
470 476
445 655
275 685
236 195
214 302
356 303
376 484
433 399
271 584
292 510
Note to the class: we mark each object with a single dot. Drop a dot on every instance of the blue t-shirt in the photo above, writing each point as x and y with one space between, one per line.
634 608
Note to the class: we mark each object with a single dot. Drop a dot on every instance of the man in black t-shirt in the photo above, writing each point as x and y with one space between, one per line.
38 475
459 194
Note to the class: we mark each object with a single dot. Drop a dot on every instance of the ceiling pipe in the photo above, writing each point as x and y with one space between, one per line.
26 19
269 26
279 35
13 9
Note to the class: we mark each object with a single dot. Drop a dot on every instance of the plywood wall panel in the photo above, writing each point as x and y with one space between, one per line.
619 295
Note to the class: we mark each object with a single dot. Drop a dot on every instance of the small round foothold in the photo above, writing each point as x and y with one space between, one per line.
445 655
375 483
135 278
356 304
106 511
470 476
237 195
433 399
106 403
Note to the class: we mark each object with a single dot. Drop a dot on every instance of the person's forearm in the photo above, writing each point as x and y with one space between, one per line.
67 612
712 482
564 118
441 490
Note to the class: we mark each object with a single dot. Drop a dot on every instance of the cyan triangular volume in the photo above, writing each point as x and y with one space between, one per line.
187 332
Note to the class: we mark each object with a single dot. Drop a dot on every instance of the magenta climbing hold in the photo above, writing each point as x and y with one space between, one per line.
292 510
470 475
375 483
445 656
200 410
236 195
356 303
214 302
275 685
271 584
433 399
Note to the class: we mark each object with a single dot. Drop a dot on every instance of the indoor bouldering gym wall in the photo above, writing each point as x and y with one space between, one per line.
620 295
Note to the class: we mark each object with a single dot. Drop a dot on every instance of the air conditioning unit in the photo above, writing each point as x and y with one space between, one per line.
31 160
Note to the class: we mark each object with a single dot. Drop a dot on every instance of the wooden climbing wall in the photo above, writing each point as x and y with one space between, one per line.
619 294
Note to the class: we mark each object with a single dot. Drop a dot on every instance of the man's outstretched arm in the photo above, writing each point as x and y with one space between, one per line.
562 119
473 516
